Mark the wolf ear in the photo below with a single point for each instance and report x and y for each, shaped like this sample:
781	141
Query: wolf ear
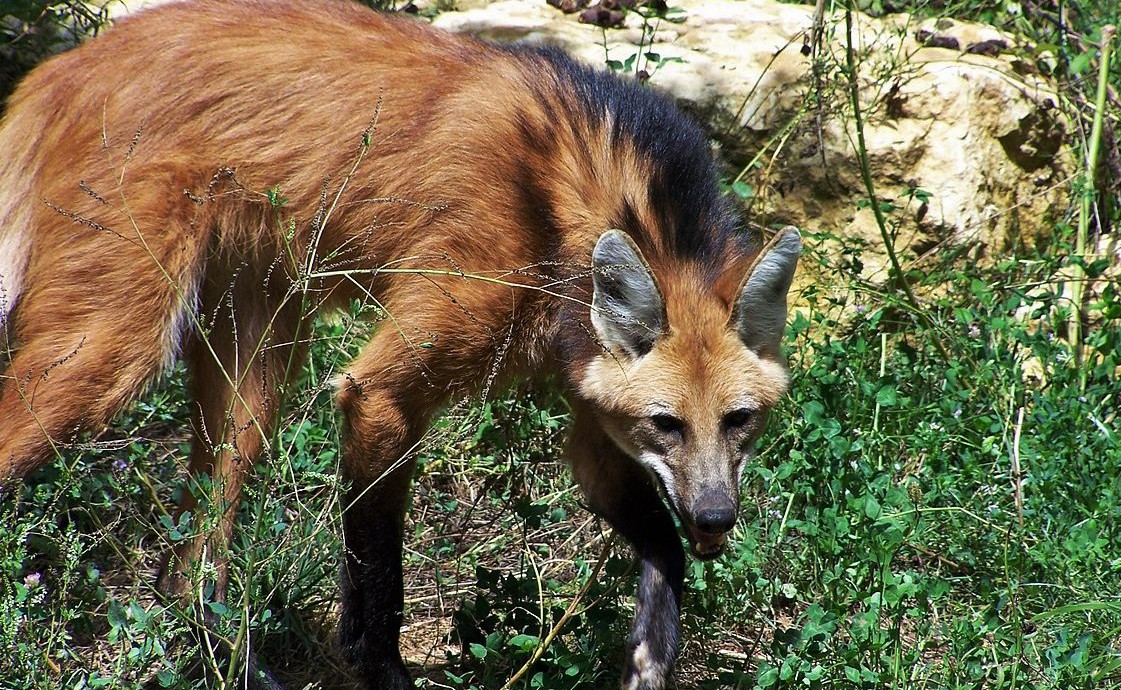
759	314
628	310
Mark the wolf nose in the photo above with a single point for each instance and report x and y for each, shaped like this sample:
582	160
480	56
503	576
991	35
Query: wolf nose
716	519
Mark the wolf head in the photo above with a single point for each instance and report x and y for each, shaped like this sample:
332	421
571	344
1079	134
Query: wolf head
687	378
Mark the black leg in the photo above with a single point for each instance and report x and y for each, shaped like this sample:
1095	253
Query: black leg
376	447
625	495
655	636
392	390
372	592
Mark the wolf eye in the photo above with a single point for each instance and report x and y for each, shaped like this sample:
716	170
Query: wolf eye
737	419
668	424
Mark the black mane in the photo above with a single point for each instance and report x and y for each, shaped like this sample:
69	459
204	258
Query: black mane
696	220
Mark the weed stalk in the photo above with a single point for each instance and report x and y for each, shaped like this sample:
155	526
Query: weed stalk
1089	196
898	277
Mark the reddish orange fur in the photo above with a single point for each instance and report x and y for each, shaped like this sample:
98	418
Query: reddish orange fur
144	173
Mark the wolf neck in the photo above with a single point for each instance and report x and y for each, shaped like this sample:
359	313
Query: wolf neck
601	153
559	155
582	176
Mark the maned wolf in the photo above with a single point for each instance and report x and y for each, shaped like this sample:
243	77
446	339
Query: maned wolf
514	212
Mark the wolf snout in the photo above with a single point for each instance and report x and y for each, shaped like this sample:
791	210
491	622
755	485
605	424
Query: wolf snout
714	513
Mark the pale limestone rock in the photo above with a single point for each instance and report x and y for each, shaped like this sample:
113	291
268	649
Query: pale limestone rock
987	143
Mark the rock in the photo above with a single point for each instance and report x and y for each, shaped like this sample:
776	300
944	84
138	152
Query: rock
967	147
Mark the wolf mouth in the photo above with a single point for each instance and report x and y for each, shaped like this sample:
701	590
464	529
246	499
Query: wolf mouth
703	545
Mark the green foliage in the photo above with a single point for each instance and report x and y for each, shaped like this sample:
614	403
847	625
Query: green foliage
645	63
911	552
32	30
887	540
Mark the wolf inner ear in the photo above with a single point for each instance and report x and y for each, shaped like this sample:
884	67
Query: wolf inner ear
628	310
759	314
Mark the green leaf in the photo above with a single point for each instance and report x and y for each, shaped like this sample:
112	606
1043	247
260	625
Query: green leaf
767	677
872	507
1113	606
885	397
1081	63
523	642
742	189
116	614
813	412
675	14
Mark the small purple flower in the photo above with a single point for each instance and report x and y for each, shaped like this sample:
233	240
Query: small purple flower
119	465
32	579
